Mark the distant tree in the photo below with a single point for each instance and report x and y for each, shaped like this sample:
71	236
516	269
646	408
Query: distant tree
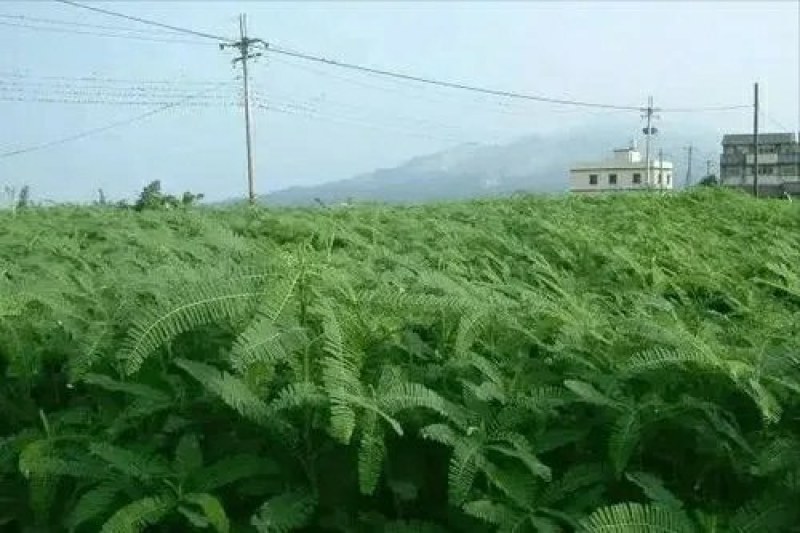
189	198
151	197
709	181
10	194
101	197
24	198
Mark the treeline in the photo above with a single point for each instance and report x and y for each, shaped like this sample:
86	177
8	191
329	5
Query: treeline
150	198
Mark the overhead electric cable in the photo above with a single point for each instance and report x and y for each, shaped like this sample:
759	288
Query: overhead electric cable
94	131
147	21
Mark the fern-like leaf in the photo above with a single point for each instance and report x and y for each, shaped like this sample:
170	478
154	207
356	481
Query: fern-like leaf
130	463
212	509
623	439
659	358
138	390
371	454
284	513
206	304
637	518
230	470
588	393
188	455
654	488
300	394
92	504
340	375
767	515
137	515
230	389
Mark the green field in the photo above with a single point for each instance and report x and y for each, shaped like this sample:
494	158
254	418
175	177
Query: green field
608	364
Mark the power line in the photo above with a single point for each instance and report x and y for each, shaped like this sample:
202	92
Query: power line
447	84
775	122
310	113
350	109
482	90
703	109
89	100
98	79
99	34
69	88
146	21
26	18
95	131
398	75
479	103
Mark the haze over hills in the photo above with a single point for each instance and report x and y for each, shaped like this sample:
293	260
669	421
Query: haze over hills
535	163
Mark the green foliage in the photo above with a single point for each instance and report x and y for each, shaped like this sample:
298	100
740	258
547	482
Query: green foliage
709	181
604	364
24	198
151	198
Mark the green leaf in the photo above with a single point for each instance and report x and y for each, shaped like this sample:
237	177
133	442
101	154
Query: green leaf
589	394
130	463
623	439
637	518
137	515
763	515
285	513
92	504
212	509
490	512
230	389
654	489
188	455
370	456
145	392
230	470
207	303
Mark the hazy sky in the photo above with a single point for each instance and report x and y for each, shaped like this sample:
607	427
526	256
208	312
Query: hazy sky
331	123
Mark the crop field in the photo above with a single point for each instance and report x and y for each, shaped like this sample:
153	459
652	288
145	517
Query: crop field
607	365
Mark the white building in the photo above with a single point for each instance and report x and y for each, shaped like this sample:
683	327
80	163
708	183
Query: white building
625	171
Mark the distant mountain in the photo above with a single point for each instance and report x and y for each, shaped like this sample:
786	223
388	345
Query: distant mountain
531	164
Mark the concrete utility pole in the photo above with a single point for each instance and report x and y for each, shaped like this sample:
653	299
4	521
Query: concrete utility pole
648	131
755	139
243	45
689	148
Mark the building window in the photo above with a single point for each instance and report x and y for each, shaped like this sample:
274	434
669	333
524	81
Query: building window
637	178
612	179
766	170
669	178
659	178
592	179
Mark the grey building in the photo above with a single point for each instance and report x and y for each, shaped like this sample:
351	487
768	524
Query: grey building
778	163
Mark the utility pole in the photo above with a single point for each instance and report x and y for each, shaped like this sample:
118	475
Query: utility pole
648	131
243	45
755	140
689	148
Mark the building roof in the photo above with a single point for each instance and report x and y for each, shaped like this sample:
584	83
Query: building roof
621	165
763	138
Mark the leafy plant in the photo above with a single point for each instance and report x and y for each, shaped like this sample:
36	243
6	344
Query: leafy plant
614	364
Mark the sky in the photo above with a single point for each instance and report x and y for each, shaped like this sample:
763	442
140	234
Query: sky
315	123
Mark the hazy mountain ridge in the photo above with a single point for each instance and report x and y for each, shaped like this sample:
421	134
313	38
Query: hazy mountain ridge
533	164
